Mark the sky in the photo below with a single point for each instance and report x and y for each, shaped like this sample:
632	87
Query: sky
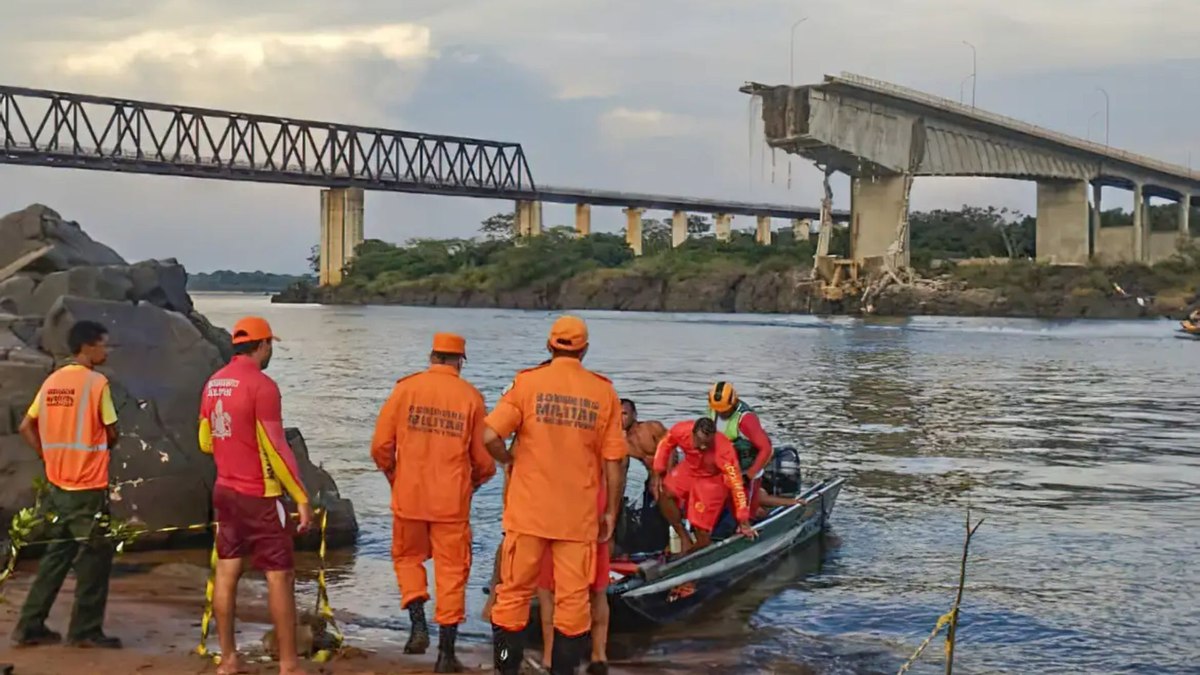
604	94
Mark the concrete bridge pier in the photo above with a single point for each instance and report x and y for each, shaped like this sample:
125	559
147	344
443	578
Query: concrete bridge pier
1063	216
877	204
529	218
583	219
341	231
724	226
762	230
633	229
1139	223
1185	212
679	233
1094	225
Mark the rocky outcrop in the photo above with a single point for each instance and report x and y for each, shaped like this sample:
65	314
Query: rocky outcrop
162	353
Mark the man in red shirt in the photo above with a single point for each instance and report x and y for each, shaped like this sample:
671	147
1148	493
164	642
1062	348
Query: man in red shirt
241	425
703	481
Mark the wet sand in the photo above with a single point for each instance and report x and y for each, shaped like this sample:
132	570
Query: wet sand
155	609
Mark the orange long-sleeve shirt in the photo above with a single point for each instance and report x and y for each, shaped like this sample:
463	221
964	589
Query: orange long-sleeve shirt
720	462
429	441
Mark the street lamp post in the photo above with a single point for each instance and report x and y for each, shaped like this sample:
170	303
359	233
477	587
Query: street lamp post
1090	120
1106	118
974	70
962	86
792	53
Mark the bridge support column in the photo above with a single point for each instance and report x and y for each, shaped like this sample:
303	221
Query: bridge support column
633	229
1185	212
762	230
529	218
583	219
679	233
801	229
341	231
724	226
877	204
1094	242
1139	224
1062	222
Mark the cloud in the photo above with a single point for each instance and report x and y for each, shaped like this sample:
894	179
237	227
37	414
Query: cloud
627	124
397	42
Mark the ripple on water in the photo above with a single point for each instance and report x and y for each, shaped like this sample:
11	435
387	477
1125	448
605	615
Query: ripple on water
1075	440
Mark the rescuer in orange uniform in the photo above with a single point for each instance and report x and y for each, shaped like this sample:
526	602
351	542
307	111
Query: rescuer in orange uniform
72	426
568	425
429	443
701	484
241	426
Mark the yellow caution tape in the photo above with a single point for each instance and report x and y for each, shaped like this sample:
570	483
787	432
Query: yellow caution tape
324	610
942	622
209	587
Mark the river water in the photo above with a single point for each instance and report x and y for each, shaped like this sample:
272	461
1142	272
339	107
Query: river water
1074	440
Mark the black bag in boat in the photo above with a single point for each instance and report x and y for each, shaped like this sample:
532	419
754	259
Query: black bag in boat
641	528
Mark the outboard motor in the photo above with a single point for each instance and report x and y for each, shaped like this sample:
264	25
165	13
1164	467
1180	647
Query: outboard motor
782	475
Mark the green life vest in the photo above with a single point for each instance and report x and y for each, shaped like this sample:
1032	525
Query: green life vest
746	451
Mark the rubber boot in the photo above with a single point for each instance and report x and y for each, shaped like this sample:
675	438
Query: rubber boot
418	640
508	650
447	662
568	653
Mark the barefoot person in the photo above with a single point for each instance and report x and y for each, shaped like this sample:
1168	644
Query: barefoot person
72	426
700	485
429	443
241	425
568	425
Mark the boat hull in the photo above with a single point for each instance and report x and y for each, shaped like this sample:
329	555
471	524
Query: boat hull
680	589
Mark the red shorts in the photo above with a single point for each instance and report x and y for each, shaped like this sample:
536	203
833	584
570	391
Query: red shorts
252	527
599	583
701	498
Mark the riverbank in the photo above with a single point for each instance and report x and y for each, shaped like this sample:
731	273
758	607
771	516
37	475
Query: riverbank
1017	290
155	606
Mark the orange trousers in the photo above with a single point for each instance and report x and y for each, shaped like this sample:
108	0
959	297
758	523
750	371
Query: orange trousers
449	544
520	566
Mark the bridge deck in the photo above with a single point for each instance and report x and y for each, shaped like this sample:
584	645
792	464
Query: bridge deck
59	129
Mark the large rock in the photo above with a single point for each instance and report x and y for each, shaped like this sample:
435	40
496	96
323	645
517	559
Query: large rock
162	283
25	231
342	525
97	283
16	293
162	352
157	356
19	466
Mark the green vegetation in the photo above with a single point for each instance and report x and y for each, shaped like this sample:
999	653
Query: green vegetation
953	245
242	282
497	261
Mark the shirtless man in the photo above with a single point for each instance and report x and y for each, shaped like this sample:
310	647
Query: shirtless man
643	437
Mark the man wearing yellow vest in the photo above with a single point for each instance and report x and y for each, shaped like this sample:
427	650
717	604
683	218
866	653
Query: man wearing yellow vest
72	426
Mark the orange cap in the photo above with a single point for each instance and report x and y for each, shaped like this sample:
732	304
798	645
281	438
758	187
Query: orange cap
449	343
251	329
569	333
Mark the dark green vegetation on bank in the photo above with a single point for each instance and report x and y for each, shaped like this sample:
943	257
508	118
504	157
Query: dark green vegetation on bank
561	271
243	282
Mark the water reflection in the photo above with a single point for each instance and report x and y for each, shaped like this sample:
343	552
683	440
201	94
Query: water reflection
1074	440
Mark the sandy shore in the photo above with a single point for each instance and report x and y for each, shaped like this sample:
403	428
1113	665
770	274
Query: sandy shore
155	607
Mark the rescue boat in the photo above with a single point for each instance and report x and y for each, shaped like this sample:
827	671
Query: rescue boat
661	591
1189	328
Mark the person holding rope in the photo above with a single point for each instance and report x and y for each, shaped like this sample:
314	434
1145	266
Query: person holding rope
72	426
429	444
241	426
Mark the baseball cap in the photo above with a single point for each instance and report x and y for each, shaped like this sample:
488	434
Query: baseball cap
569	333
449	343
252	329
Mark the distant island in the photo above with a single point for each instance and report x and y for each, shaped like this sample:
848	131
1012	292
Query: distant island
244	282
